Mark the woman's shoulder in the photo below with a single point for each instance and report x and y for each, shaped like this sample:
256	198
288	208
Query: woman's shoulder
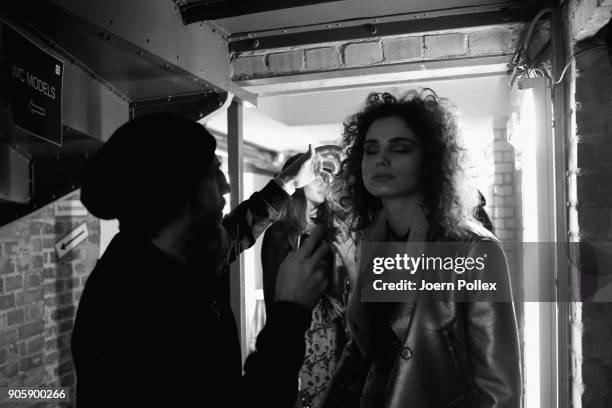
478	239
475	231
471	234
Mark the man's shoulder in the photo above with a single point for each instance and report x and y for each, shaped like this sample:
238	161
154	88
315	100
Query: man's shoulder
278	230
120	245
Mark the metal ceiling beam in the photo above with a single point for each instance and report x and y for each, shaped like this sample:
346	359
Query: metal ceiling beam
131	71
155	28
401	24
217	9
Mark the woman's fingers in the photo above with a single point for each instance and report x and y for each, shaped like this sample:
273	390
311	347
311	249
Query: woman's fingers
337	248
310	243
320	252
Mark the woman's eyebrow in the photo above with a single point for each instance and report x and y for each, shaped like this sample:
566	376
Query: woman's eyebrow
403	139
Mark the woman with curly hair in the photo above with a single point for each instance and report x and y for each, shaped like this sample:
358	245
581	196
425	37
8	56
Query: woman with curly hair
325	338
403	180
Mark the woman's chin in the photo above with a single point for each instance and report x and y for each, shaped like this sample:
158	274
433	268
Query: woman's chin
317	201
384	192
392	191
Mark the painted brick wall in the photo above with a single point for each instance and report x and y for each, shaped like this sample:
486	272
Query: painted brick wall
39	294
587	17
502	192
504	200
499	40
589	144
592	144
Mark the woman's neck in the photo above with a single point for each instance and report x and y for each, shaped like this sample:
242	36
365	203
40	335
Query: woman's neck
311	208
400	212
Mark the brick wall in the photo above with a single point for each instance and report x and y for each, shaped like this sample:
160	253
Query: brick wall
503	189
589	144
498	40
503	195
590	211
586	17
594	145
39	294
504	202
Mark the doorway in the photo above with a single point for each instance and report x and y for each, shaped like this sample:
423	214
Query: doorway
508	135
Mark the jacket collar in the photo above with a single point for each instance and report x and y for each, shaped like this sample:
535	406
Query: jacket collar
401	317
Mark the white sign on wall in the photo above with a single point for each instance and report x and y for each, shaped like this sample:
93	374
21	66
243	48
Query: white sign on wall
72	240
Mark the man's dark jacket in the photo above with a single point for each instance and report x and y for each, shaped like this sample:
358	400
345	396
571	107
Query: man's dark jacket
151	331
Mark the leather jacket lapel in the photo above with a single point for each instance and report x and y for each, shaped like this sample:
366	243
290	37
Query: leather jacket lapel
359	319
401	317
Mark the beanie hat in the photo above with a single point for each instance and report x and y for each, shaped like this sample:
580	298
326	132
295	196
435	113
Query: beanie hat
148	170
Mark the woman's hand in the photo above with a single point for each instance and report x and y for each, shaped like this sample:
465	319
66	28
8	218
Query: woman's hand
346	248
302	172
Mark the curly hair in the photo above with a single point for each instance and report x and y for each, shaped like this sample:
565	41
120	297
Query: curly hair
448	195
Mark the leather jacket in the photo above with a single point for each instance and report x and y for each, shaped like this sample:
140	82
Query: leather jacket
444	353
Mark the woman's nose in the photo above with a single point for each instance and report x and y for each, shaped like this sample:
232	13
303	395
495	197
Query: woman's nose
382	159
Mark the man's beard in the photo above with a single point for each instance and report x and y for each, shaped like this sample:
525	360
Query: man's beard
206	246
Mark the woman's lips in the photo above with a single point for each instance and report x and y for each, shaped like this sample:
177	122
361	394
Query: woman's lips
383	177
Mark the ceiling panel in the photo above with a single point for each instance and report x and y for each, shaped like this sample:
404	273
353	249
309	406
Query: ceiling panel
290	122
484	96
342	11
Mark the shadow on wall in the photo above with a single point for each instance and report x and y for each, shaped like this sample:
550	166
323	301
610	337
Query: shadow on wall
39	292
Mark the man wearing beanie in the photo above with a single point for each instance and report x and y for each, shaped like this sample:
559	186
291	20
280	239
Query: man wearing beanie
154	325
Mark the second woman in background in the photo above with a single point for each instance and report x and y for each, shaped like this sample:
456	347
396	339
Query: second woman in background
325	337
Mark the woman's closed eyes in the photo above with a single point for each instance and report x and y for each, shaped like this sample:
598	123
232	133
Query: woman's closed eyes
395	146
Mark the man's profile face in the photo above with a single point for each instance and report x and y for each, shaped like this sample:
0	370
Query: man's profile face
209	201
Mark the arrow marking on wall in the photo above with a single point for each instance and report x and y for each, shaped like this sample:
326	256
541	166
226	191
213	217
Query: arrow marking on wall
35	109
65	244
72	240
